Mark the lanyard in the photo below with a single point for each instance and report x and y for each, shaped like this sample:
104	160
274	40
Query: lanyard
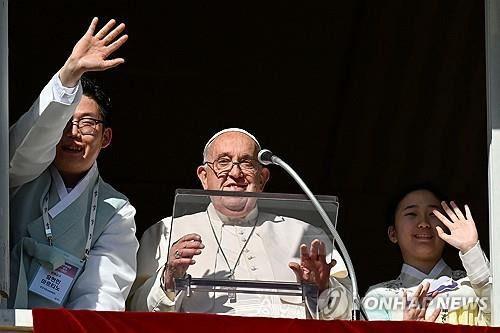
231	271
93	211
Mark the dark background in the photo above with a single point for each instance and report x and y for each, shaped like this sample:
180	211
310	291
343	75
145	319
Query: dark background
362	98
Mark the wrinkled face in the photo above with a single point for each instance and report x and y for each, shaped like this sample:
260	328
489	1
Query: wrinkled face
75	153
415	227
237	147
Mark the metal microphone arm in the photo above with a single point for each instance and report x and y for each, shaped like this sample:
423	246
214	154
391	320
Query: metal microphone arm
355	296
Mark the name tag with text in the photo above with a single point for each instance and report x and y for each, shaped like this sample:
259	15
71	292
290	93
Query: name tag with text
55	285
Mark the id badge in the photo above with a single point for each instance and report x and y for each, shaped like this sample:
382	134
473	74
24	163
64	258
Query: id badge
55	285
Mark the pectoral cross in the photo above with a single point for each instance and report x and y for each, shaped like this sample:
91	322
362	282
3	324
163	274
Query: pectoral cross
231	294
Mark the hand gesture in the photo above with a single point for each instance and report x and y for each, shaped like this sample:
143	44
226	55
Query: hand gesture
416	308
313	267
91	52
180	257
463	232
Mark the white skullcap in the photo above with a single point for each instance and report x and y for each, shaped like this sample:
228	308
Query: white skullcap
232	129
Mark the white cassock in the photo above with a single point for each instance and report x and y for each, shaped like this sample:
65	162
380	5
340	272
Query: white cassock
274	243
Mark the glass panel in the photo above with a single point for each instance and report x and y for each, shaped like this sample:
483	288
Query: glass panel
249	237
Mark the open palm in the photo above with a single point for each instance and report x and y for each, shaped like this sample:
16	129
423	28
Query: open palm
313	267
463	232
91	52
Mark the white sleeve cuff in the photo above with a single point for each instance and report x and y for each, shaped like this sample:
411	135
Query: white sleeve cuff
476	264
335	302
62	94
158	298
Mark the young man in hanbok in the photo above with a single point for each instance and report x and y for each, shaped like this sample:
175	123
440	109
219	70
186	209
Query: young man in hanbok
72	235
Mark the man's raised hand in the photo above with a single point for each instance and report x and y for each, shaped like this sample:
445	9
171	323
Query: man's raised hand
91	52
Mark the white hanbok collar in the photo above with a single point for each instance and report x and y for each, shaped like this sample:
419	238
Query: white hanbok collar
68	196
411	276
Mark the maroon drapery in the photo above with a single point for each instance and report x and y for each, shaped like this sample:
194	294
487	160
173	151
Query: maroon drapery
76	321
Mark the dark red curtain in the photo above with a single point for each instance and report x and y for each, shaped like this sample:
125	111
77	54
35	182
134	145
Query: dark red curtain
76	321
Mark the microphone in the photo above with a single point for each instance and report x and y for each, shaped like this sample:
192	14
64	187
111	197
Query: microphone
266	157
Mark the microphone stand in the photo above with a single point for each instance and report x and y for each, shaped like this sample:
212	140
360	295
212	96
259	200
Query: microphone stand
356	304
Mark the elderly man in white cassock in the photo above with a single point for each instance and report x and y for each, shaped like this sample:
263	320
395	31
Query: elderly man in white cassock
233	239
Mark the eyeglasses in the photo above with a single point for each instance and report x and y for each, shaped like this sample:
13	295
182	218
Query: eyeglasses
223	165
85	126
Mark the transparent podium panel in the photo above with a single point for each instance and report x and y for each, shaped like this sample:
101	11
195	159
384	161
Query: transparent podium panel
249	241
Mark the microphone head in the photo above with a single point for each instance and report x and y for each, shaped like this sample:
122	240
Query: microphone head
265	156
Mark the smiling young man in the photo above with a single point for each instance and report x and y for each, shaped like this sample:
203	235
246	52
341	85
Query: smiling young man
232	238
77	152
72	235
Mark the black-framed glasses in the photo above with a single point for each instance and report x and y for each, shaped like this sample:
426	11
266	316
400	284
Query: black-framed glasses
223	165
85	125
